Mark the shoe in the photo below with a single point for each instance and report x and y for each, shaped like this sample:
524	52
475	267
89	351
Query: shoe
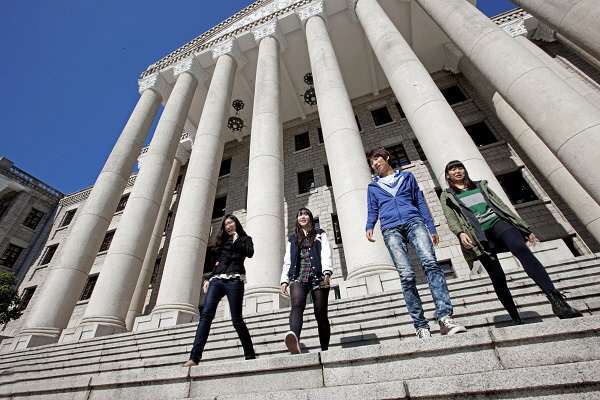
423	333
449	327
292	342
190	363
517	321
560	307
253	357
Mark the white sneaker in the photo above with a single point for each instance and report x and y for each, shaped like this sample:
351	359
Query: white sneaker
449	327
292	342
423	333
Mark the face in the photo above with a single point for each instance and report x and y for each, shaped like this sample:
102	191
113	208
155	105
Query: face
379	164
303	219
456	174
230	226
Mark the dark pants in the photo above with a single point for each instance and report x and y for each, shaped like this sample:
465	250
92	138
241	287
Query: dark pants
504	235
298	292
218	288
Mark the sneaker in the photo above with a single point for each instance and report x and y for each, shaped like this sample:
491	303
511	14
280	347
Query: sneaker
292	342
560	307
423	333
449	327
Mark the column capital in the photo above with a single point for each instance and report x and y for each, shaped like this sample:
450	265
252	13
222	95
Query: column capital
544	32
182	154
453	56
231	48
192	66
515	28
273	30
352	10
316	8
156	83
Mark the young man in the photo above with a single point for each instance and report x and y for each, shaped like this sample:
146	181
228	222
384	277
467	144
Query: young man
395	198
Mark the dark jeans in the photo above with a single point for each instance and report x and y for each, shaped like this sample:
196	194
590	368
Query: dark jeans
505	235
298	292
218	288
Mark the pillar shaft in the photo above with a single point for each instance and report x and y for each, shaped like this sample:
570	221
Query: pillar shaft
67	279
350	173
580	202
436	126
141	290
567	123
182	275
576	20
112	295
265	215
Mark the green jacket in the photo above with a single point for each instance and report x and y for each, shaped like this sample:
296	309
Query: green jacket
462	219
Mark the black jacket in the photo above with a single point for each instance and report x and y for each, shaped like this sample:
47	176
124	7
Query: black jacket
232	256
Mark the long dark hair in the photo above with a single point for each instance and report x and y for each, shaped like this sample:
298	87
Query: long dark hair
311	235
469	184
223	236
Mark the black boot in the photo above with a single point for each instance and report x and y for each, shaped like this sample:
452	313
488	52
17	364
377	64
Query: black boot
560	307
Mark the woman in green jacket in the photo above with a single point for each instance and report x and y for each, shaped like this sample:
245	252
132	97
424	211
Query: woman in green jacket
486	226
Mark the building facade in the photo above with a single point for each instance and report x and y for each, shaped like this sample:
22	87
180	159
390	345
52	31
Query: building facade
315	85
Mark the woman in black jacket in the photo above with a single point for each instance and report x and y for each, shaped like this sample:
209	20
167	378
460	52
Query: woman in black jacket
232	247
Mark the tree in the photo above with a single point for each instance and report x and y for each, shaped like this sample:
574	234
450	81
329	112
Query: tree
9	298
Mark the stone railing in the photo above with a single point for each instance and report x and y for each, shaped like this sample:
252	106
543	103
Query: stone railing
27	180
82	195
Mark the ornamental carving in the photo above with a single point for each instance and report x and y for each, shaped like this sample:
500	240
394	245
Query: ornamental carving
230	47
314	8
192	66
515	28
156	83
453	56
270	29
544	32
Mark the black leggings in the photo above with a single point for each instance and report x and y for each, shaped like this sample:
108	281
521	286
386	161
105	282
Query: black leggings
298	292
512	239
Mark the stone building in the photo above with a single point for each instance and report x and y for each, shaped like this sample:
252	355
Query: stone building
316	84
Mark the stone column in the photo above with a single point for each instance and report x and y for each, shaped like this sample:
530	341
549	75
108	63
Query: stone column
180	287
67	279
265	220
141	290
569	77
580	202
576	20
105	313
436	126
567	123
350	173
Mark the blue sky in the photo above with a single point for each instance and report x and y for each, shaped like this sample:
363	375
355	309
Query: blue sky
69	74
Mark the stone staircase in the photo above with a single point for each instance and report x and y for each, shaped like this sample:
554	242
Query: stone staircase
374	353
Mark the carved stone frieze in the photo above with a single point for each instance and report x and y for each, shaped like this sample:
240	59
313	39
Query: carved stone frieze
156	83
192	66
515	28
453	55
271	29
544	32
230	47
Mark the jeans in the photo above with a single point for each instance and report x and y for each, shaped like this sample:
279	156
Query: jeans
218	288
416	233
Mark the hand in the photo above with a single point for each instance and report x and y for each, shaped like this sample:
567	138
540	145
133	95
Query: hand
370	236
465	240
235	235
326	280
435	238
532	240
205	286
284	289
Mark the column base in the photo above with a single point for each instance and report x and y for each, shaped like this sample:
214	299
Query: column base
256	301
89	331
22	342
164	318
367	270
372	284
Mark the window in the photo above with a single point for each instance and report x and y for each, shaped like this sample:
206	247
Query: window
219	207
400	110
48	254
381	116
320	133
398	157
570	242
67	218
337	233
453	95
447	268
225	167
155	272
178	183
26	297
327	175
122	202
516	187
33	219
317	223
10	256
302	141
306	181
107	241
420	151
89	287
168	222
481	134
358	123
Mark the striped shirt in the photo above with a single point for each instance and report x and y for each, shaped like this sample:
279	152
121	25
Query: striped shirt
475	201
